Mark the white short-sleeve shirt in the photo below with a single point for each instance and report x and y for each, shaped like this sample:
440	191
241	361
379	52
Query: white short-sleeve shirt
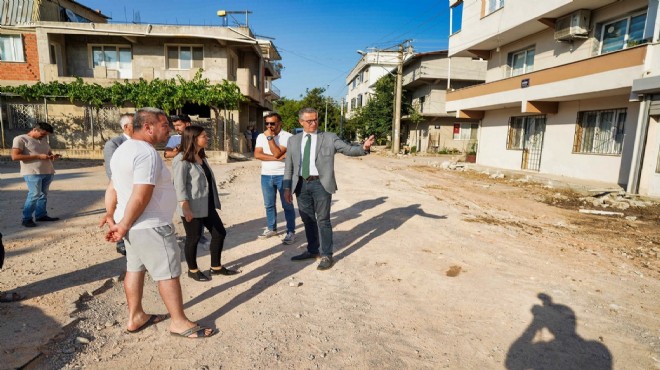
137	162
272	168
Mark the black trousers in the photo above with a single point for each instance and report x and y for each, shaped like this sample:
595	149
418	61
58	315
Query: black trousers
194	230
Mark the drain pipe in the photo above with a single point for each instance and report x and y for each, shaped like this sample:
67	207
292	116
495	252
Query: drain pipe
639	146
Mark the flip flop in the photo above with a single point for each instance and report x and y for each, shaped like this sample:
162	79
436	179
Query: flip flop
199	330
11	297
153	319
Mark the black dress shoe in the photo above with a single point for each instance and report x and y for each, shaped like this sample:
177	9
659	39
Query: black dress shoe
198	276
28	223
305	256
224	271
48	218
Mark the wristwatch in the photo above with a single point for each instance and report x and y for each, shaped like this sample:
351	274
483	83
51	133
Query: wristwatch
269	138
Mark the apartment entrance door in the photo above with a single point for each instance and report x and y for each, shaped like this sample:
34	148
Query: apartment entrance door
533	143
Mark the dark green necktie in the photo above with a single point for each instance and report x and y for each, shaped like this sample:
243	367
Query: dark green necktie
306	154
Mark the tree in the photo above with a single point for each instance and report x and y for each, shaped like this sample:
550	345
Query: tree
314	98
375	118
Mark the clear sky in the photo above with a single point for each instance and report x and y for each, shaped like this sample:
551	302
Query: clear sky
317	39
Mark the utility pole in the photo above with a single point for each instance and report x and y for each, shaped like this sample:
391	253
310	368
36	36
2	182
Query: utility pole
341	119
326	113
396	139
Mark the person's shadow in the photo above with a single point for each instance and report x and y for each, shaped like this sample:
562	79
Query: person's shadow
280	268
564	350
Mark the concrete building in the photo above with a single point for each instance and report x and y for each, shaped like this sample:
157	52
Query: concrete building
361	80
426	79
59	41
571	86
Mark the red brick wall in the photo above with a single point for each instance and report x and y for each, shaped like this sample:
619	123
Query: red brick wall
28	70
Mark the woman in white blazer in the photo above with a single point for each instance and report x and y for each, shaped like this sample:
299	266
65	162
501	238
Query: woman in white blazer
197	200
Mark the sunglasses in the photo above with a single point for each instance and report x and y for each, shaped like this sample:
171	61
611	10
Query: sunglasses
271	123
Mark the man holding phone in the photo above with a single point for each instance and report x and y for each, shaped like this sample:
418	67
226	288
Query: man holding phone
33	150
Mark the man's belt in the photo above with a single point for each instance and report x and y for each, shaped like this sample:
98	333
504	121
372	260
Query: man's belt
310	178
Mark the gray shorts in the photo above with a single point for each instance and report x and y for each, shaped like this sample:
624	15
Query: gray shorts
155	250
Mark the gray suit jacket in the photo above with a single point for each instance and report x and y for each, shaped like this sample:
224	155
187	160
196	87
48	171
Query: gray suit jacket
190	184
327	145
109	149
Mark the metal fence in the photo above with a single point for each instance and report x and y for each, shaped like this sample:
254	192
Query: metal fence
80	127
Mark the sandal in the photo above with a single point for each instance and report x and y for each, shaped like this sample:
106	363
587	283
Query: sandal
11	297
153	319
223	271
200	331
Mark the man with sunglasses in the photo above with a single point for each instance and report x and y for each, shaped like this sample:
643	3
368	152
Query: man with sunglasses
270	148
310	173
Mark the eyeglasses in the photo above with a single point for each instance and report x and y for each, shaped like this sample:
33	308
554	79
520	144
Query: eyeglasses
271	123
310	121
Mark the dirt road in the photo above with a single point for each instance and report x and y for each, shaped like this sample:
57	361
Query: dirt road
435	269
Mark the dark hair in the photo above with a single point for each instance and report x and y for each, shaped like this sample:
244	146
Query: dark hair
273	114
146	115
44	126
180	117
188	140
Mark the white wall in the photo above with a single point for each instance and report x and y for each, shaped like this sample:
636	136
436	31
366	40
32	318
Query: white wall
557	157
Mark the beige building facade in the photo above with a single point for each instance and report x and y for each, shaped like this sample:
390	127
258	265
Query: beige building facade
558	96
74	41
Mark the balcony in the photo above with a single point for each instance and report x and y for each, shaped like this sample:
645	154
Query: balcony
517	19
273	92
604	75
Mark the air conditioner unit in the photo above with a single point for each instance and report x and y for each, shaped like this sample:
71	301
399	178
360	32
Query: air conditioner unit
572	26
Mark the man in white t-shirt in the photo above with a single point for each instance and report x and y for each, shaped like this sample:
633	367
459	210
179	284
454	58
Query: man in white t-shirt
140	202
271	150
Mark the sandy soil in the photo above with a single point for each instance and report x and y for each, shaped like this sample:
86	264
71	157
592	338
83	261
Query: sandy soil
435	269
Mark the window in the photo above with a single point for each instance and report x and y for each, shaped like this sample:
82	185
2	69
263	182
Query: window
622	33
599	131
521	62
184	57
359	100
520	128
456	15
353	83
493	5
11	48
352	103
115	57
465	131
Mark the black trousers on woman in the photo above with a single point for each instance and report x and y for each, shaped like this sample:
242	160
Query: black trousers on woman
194	230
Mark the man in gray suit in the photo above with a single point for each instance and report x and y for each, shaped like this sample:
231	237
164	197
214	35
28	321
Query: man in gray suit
126	123
309	172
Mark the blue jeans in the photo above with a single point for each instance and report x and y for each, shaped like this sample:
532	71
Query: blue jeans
314	207
270	186
37	196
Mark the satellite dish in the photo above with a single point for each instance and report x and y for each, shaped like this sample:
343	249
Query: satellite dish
71	15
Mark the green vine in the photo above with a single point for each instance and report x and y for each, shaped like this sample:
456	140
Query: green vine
165	94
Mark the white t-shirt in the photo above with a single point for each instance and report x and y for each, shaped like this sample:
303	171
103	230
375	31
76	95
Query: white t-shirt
272	168
137	162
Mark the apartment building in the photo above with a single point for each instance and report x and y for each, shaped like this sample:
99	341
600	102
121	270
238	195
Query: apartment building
571	87
369	69
426	79
58	41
